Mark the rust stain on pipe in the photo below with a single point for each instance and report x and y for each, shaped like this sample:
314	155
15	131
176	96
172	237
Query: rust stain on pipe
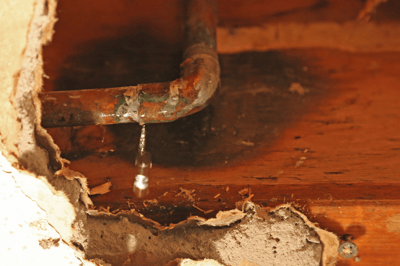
148	103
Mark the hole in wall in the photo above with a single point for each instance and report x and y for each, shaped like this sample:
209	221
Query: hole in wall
253	105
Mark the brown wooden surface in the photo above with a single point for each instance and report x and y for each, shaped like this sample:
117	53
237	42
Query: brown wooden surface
375	229
332	149
343	131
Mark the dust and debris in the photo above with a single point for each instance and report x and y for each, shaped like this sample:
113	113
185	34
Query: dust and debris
246	195
198	208
101	189
225	218
247	143
49	242
296	87
205	212
216	196
150	202
187	194
130	203
246	192
147	203
105	210
115	211
227	189
38	224
300	161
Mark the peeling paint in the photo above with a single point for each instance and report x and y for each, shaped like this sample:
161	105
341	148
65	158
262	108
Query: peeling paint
173	99
206	85
127	108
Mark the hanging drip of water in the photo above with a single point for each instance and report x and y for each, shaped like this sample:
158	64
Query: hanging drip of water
143	162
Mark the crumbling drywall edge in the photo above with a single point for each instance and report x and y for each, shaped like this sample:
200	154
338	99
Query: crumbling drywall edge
31	156
63	196
28	222
15	19
330	241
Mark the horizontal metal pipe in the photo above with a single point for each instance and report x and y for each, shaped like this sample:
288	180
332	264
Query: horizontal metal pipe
148	103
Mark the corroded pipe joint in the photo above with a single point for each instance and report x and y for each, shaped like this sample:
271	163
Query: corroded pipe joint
189	94
201	69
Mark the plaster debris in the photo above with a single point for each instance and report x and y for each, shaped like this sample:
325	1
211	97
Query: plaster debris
198	208
247	143
187	194
246	192
281	236
150	202
26	236
101	189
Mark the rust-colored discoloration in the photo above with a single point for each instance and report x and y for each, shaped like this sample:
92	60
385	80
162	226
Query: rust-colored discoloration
148	103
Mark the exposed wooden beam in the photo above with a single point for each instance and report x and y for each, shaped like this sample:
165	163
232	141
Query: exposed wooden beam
353	36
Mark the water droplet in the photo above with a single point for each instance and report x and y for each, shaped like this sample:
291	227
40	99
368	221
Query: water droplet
144	164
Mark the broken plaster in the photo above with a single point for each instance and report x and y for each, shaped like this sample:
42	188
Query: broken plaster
281	236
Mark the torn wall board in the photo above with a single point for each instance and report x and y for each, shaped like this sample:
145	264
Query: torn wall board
282	236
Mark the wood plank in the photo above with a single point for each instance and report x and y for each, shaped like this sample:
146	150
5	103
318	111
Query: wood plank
350	36
375	228
342	144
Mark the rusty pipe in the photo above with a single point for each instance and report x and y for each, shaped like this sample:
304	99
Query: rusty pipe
148	103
